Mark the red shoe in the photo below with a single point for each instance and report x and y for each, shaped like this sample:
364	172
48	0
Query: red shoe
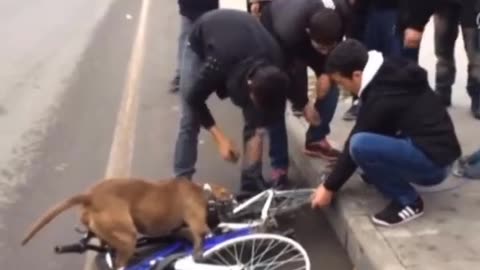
322	149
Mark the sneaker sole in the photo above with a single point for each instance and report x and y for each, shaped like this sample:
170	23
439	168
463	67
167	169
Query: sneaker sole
383	223
318	155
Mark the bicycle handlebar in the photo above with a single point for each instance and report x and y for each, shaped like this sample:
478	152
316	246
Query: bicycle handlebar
78	248
74	248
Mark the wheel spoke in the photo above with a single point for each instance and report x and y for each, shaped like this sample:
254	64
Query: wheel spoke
260	257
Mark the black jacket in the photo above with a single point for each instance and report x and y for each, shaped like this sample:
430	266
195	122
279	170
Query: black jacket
399	102
417	13
287	20
192	9
231	44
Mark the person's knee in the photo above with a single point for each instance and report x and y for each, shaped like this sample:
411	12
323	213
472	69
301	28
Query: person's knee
360	146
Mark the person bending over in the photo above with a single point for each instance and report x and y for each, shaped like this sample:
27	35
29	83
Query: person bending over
229	53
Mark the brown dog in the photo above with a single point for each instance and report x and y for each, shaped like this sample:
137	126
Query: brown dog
117	210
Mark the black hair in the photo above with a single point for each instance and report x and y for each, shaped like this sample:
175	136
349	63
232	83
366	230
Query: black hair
348	56
326	26
269	86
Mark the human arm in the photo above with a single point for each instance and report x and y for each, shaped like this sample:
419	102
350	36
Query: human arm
373	117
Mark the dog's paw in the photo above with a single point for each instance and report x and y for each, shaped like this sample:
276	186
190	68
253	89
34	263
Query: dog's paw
198	256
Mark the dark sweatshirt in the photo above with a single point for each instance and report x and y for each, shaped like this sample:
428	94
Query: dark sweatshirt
231	45
288	20
399	102
192	9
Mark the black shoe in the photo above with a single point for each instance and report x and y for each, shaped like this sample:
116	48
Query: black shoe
252	183
475	107
297	112
351	114
395	214
445	96
278	179
174	85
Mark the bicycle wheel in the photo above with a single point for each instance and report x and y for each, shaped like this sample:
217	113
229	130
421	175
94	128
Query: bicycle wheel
284	202
259	251
290	201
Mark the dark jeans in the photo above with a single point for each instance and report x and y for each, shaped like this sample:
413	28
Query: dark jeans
326	108
391	164
185	26
381	34
446	22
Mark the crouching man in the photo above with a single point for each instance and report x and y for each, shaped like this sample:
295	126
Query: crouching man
403	133
231	54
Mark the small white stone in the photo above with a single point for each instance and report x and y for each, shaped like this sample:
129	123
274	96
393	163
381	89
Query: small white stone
128	16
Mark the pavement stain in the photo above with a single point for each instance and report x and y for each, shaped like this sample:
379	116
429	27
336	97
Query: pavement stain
3	110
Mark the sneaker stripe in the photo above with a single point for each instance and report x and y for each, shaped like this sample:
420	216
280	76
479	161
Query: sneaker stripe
411	212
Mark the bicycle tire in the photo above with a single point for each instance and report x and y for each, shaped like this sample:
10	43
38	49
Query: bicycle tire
282	210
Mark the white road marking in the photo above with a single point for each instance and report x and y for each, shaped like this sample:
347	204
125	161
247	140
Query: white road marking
121	151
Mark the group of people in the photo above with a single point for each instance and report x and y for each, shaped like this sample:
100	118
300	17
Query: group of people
258	58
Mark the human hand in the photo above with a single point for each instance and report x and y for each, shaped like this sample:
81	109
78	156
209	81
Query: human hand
228	151
412	38
322	197
255	9
311	114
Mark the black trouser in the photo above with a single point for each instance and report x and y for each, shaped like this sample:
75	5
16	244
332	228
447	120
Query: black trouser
446	22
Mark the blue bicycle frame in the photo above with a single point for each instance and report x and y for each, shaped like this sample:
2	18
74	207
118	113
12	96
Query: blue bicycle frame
182	246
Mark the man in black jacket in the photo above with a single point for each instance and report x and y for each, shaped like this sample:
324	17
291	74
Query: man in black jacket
229	52
307	30
403	133
190	10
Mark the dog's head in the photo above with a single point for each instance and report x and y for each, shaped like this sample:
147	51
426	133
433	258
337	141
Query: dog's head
218	192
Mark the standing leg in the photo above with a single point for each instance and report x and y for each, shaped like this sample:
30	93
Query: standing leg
445	32
186	146
316	143
185	26
278	153
472	48
391	164
252	175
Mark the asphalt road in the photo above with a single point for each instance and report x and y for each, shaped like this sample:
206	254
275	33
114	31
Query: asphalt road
62	76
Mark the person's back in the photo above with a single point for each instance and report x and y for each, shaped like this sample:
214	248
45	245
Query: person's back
192	9
232	35
288	20
233	41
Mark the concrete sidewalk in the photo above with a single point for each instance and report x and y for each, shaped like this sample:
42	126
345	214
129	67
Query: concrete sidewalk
446	237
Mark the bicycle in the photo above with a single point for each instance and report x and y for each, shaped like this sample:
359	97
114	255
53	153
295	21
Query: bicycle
246	235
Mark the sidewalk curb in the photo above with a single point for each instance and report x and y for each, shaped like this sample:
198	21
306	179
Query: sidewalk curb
365	246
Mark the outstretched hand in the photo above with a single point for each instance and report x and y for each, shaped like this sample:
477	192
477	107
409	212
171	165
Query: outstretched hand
322	197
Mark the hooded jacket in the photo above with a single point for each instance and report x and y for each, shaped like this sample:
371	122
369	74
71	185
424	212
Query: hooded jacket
397	101
192	9
231	44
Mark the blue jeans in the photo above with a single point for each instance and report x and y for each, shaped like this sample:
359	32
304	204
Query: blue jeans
391	164
278	133
186	146
326	108
185	27
381	34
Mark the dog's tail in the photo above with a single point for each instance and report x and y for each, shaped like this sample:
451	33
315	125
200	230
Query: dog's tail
53	212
